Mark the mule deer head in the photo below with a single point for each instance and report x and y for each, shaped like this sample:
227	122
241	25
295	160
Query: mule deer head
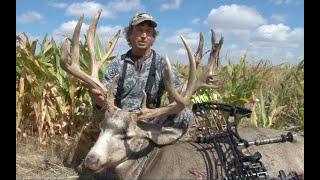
122	132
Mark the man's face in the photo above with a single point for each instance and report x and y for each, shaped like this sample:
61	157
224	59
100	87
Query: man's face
142	36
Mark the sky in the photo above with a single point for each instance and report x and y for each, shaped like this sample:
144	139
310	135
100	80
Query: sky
271	30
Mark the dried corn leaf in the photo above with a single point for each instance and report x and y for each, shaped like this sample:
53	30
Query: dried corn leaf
20	102
272	117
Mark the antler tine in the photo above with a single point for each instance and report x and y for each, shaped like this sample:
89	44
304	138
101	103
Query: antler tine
169	85
192	70
199	54
213	37
64	53
110	96
91	39
95	65
212	61
75	43
113	44
73	66
219	45
144	102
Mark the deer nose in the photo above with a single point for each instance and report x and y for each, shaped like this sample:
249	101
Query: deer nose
92	162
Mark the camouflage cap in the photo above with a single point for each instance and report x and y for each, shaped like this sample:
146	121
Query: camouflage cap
140	17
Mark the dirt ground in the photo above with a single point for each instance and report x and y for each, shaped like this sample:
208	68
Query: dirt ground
55	159
35	161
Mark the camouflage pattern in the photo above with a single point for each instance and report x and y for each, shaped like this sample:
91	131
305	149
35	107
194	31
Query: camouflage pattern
135	82
140	17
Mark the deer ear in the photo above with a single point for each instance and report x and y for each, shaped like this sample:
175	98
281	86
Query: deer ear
158	134
167	135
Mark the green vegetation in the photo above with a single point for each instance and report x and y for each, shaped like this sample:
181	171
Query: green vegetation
50	103
275	94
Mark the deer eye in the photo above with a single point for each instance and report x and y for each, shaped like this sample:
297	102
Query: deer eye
124	135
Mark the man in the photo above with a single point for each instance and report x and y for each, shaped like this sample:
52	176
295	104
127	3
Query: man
142	69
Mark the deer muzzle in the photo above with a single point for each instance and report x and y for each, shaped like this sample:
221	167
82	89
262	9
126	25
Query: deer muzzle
92	162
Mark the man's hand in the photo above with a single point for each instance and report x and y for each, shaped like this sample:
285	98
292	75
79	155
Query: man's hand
98	98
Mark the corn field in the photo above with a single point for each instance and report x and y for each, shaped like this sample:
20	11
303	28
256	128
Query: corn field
275	94
49	103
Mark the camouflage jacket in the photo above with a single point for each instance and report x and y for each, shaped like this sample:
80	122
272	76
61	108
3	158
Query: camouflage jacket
135	82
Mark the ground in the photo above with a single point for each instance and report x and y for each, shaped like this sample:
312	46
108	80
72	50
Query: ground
35	161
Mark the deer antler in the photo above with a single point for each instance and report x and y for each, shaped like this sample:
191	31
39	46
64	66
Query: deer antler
183	99
198	55
71	64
